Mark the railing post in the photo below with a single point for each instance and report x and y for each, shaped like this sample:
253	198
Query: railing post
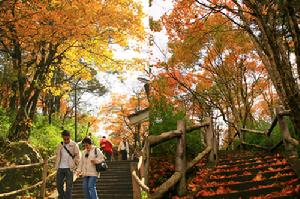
242	137
135	186
212	142
146	156
290	149
180	160
44	177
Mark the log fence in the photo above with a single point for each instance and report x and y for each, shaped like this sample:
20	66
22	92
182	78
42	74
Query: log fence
41	183
178	179
290	144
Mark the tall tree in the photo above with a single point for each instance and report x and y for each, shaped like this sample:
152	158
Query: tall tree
38	37
273	27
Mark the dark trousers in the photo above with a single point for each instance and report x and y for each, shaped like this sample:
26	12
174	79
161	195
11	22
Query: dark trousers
107	155
124	154
63	175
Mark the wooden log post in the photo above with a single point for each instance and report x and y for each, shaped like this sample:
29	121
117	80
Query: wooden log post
146	157
212	142
180	160
135	186
242	135
290	149
44	178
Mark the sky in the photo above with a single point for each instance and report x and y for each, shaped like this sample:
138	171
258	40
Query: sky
129	82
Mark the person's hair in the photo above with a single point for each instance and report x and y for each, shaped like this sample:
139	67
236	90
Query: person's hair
86	140
103	136
65	133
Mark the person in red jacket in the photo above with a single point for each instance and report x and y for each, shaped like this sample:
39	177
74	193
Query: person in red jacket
106	147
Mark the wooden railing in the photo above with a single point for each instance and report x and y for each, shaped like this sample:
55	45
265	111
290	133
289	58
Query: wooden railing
290	144
41	183
140	175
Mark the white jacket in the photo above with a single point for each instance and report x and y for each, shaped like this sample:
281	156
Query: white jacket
123	146
86	167
74	150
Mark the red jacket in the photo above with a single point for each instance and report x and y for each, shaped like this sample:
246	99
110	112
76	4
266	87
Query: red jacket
106	145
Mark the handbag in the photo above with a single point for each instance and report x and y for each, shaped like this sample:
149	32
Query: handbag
102	166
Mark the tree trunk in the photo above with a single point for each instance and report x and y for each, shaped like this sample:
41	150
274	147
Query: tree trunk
20	128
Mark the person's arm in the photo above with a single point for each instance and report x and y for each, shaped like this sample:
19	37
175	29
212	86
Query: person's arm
57	155
119	147
127	147
100	156
79	168
77	154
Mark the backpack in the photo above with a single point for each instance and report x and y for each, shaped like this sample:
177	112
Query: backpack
100	166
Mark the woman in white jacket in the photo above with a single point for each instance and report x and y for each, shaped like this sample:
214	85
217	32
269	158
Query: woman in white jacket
87	167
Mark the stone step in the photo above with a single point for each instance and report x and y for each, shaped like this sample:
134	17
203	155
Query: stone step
114	183
102	177
243	194
106	191
239	157
251	170
249	162
241	178
244	185
106	196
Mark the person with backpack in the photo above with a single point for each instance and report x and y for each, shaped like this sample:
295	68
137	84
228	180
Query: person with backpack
106	147
124	148
67	159
87	167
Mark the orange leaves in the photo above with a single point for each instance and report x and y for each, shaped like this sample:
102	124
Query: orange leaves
191	187
220	190
258	177
223	190
245	173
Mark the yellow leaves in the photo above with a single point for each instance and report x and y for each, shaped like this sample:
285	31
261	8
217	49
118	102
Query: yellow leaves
258	177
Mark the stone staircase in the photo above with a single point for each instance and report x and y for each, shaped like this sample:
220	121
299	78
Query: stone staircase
114	183
251	175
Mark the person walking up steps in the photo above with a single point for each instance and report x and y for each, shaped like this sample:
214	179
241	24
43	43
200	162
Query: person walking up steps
124	148
106	147
67	158
87	168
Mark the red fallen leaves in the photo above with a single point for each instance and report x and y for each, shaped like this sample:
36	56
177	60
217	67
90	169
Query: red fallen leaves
278	163
278	175
249	163
220	190
177	197
215	184
289	190
227	170
283	161
246	173
160	171
192	187
223	176
200	175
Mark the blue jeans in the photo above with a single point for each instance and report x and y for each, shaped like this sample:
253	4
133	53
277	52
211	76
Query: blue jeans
61	176
89	187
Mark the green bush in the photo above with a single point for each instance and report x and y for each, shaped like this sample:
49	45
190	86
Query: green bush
5	122
47	136
163	118
276	135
